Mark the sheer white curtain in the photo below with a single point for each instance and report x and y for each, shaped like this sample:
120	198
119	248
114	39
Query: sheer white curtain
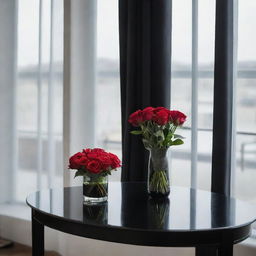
79	79
92	112
31	70
8	28
39	95
192	68
35	100
193	31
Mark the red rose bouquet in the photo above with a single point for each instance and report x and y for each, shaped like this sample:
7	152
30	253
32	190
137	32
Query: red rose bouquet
94	165
158	129
158	126
94	162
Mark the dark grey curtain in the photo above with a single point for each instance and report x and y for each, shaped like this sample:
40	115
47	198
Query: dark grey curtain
145	67
223	97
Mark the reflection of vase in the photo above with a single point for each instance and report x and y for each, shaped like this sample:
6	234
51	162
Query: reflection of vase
158	213
95	189
158	173
96	213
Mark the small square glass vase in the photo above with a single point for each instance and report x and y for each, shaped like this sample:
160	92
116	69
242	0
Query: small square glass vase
95	189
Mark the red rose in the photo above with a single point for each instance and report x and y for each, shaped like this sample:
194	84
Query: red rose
156	110
98	150
115	161
75	161
136	118
94	166
92	155
83	161
105	161
177	117
147	113
161	117
94	160
87	150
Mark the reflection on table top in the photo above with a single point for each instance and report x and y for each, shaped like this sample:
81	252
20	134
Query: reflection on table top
130	207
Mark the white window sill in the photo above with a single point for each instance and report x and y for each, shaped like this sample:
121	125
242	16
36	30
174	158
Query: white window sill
16	210
251	241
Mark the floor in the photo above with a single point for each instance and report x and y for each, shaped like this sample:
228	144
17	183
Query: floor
21	250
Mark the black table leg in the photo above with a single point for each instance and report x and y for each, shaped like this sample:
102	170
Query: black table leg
206	251
226	250
37	237
226	246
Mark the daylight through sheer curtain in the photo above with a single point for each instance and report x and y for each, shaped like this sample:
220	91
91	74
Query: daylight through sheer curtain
39	95
34	122
28	137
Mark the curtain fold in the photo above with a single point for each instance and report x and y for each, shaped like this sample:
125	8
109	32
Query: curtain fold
145	70
223	97
8	120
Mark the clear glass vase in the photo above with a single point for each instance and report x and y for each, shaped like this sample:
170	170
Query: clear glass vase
158	173
158	212
96	213
95	189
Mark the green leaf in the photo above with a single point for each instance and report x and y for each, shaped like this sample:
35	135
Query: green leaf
79	173
136	132
177	136
166	132
169	136
159	133
167	127
177	142
160	138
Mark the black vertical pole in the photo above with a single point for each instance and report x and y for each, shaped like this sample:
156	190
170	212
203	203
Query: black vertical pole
223	97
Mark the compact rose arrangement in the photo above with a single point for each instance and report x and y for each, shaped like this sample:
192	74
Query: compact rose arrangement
158	129
94	165
94	162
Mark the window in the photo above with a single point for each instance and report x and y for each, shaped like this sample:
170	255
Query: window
39	96
246	103
245	94
40	92
109	123
181	88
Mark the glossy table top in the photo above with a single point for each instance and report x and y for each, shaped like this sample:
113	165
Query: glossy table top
129	207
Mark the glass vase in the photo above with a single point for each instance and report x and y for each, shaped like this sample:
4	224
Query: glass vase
95	189
158	173
158	212
96	213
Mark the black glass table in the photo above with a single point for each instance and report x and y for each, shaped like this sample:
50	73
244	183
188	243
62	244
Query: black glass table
188	218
